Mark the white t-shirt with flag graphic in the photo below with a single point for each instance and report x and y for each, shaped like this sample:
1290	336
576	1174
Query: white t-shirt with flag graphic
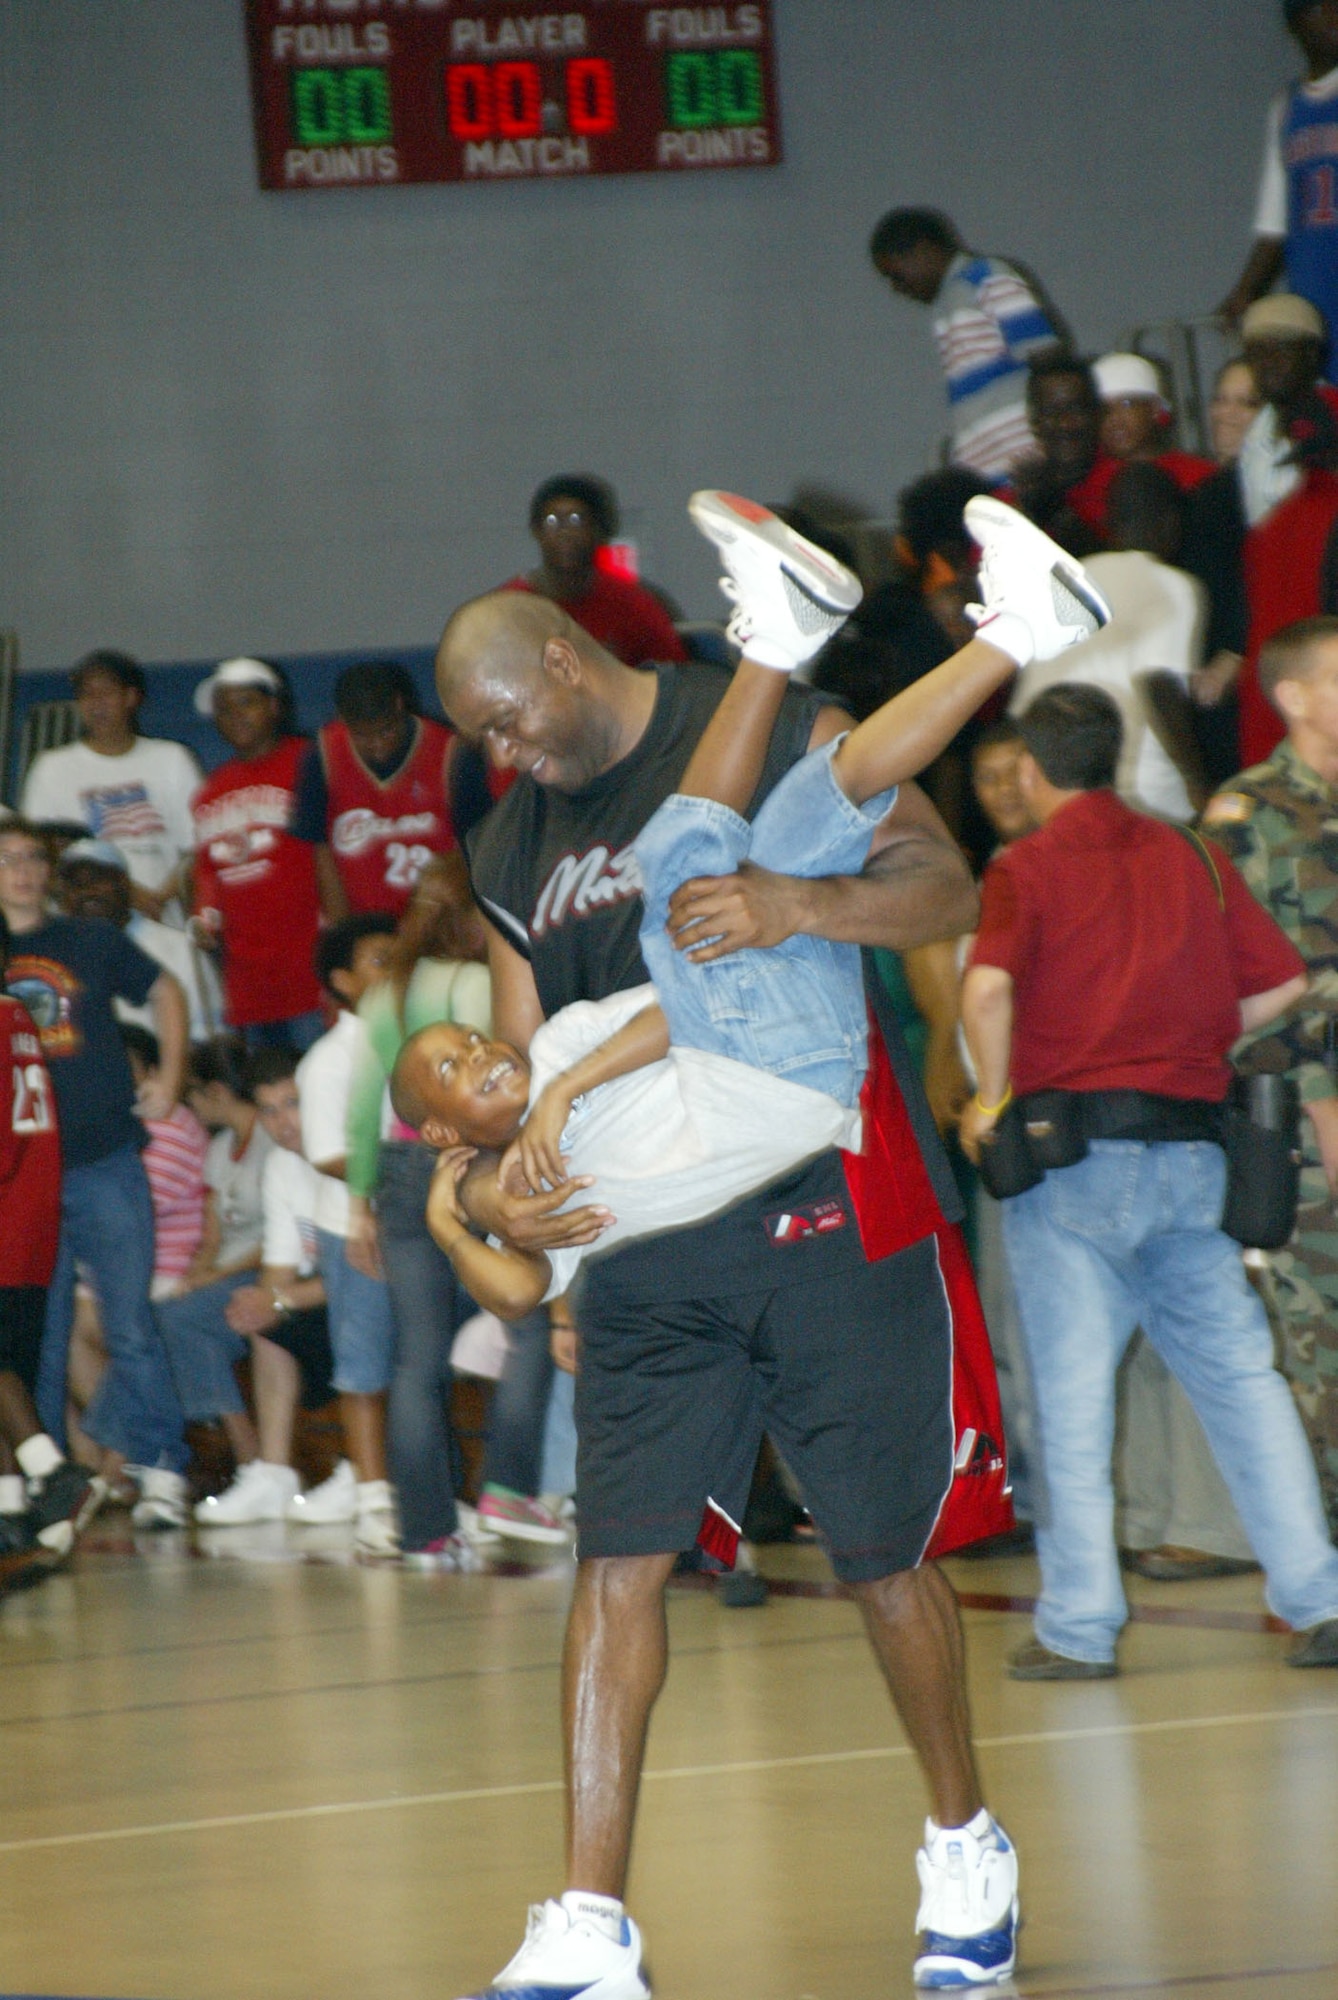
140	801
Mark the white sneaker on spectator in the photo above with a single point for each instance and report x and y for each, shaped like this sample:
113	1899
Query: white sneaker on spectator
164	1499
259	1492
452	1552
334	1500
377	1529
569	1956
474	1529
788	596
1039	600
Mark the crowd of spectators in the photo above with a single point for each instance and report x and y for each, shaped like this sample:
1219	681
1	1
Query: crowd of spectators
222	969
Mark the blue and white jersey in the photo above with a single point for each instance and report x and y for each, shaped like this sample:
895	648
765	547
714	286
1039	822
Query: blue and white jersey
1298	195
988	324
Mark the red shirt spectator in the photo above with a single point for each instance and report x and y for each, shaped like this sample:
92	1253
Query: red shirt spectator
29	1155
255	884
571	517
1121	909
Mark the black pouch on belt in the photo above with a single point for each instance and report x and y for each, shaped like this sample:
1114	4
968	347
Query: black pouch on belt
1006	1165
1261	1135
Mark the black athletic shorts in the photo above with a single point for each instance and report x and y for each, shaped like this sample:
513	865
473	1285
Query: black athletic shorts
847	1364
306	1336
22	1310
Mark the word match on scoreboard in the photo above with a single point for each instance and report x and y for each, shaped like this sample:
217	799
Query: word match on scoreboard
351	93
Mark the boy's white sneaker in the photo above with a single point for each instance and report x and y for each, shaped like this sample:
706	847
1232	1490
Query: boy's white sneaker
788	596
566	1956
164	1500
333	1501
968	1913
376	1530
1038	599
259	1492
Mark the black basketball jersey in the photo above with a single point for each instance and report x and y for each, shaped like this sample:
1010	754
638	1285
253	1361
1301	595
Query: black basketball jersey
555	870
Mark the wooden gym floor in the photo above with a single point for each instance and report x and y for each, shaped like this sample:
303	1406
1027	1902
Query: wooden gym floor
250	1774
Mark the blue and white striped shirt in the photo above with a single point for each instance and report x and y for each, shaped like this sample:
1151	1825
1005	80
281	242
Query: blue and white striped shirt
988	324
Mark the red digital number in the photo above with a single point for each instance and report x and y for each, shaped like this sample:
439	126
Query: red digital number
469	101
501	101
592	105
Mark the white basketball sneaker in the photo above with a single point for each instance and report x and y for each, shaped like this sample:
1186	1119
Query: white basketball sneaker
1038	599
335	1500
570	1956
968	1912
788	596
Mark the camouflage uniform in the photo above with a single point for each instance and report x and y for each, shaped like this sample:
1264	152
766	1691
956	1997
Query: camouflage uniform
1279	824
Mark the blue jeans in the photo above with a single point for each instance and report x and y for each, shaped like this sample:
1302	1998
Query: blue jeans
362	1331
298	1032
203	1350
1128	1237
429	1306
797	1010
518	1414
106	1223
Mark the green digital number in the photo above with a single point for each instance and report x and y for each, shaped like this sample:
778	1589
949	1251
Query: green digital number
691	90
341	107
714	87
739	87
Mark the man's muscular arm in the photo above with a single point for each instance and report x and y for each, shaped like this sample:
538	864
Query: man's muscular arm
915	889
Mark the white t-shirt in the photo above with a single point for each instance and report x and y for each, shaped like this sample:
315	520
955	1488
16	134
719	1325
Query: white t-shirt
1270	211
236	1188
1157	621
681	1139
324	1081
289	1196
177	955
141	801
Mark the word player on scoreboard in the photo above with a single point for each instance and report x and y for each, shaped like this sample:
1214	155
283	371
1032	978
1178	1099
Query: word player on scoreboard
371	93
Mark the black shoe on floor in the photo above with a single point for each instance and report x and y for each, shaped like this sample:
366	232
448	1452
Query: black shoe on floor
743	1590
23	1561
1172	1565
1035	1662
1018	1541
63	1504
1316	1648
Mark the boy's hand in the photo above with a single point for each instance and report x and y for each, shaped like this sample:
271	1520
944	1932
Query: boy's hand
443	1201
539	1141
251	1310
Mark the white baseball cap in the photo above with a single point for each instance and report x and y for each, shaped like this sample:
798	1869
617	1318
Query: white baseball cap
240	673
1120	375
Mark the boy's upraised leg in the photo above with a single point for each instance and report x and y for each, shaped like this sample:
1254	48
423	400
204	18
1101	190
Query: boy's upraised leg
1038	602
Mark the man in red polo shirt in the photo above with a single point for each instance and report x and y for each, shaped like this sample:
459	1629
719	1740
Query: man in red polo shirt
1117	962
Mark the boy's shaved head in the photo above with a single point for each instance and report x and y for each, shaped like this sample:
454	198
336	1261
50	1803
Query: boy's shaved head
455	1087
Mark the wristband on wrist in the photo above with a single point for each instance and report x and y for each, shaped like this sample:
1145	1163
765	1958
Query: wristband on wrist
282	1306
993	1110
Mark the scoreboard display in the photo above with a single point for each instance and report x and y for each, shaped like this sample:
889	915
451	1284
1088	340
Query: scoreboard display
350	93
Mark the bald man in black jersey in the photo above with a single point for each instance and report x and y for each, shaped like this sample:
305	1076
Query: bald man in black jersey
844	1356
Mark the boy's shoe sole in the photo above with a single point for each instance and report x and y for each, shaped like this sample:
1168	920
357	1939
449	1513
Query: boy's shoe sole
727	518
949	1963
521	1528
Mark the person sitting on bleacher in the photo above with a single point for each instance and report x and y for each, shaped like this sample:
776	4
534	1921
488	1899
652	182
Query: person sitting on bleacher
135	790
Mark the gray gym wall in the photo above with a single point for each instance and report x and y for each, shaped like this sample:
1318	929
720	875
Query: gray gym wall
236	421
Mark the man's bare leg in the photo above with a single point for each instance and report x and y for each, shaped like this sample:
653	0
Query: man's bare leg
613	1668
916	1634
277	1382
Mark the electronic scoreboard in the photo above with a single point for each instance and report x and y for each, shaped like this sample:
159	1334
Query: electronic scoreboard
351	93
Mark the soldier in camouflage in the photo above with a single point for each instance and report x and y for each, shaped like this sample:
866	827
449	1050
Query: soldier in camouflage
1279	823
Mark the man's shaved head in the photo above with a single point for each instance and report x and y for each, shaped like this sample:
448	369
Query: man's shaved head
516	672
